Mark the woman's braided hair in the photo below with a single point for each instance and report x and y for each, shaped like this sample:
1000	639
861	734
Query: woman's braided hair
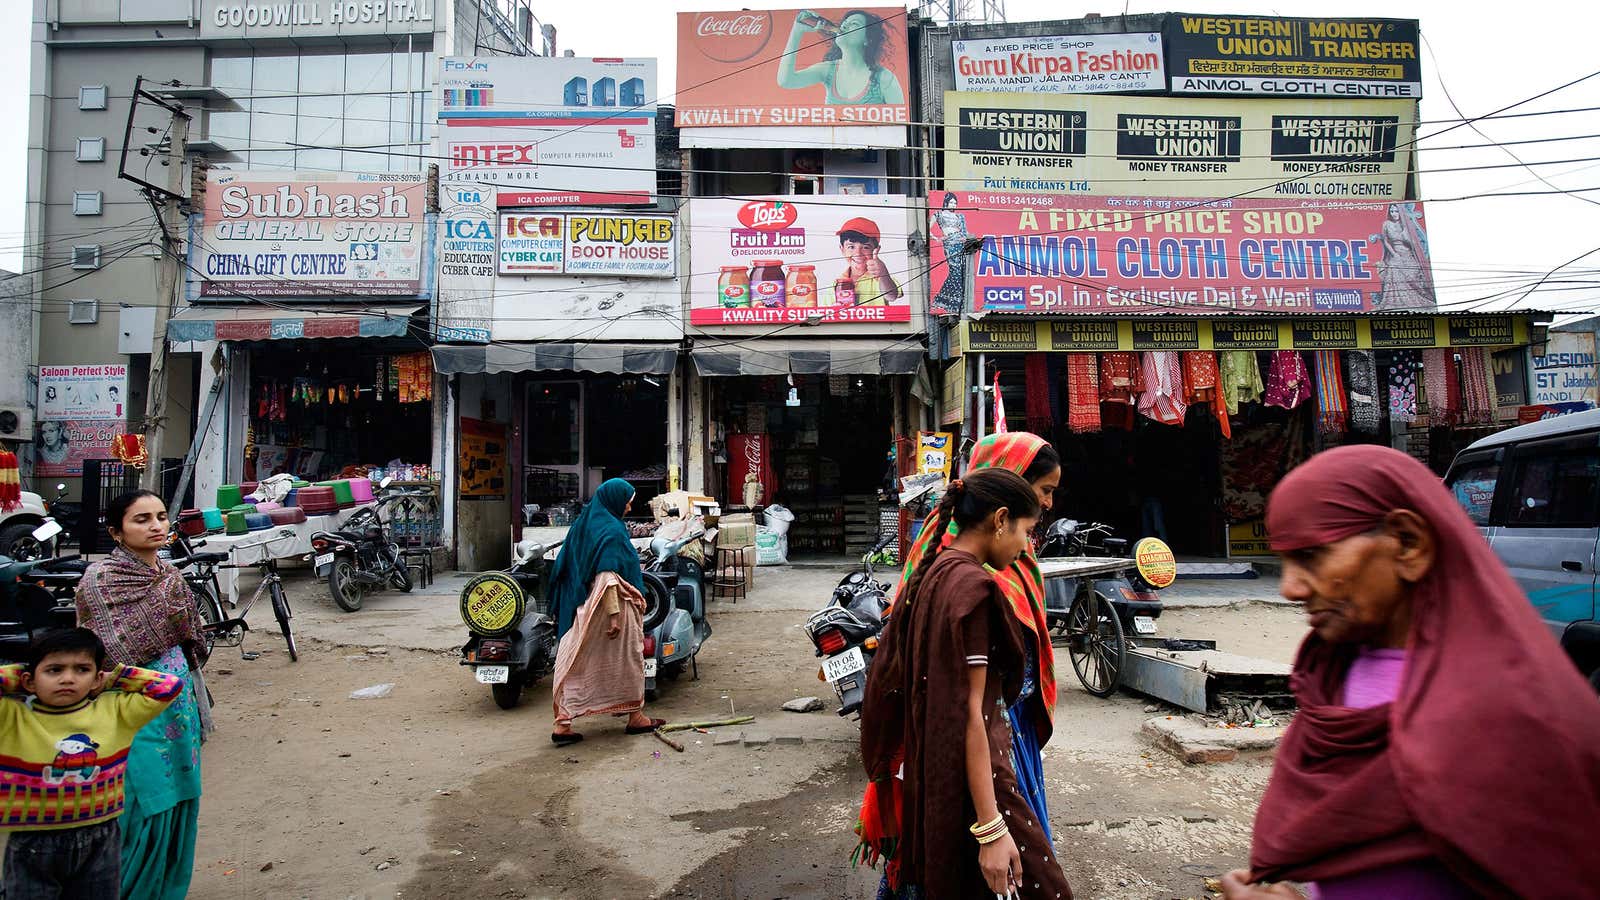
969	501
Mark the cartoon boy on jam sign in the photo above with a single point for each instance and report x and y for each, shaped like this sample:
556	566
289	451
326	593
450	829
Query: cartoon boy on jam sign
859	241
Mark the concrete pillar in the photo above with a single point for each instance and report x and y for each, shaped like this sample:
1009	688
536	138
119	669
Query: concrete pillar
699	436
677	453
210	463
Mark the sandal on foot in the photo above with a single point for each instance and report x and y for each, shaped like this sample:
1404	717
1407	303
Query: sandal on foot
562	740
644	729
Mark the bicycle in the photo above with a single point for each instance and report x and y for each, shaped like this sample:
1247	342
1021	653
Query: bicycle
230	631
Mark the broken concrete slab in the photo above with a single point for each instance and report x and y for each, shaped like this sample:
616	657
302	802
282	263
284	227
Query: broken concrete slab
788	739
757	738
1196	742
726	738
803	705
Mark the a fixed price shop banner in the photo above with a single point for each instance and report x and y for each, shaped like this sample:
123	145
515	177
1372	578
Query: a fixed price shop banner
1178	147
1273	55
1071	255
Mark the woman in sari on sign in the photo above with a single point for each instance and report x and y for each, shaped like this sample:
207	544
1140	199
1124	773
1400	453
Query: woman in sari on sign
143	612
1444	745
1021	586
935	720
597	597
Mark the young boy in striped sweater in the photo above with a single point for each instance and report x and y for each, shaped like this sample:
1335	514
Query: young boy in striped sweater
63	752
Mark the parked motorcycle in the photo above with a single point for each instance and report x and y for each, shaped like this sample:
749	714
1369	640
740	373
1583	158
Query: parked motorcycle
34	600
845	632
674	635
359	558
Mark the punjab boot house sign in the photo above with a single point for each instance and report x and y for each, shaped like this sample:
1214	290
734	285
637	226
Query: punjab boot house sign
1165	146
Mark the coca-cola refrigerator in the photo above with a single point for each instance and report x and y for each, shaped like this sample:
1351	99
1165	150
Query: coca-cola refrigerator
750	454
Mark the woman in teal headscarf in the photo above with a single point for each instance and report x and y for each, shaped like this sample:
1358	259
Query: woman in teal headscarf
596	597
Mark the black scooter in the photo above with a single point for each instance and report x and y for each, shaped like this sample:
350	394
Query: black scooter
34	599
359	559
845	632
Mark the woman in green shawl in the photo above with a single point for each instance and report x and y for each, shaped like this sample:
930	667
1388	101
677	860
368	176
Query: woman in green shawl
596	596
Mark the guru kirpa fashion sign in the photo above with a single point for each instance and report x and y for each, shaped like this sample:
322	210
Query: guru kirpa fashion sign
1060	64
1065	255
751	68
298	234
775	260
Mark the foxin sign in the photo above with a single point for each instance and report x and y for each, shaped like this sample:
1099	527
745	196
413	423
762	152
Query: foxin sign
299	235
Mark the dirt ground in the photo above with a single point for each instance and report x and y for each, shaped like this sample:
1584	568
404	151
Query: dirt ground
433	791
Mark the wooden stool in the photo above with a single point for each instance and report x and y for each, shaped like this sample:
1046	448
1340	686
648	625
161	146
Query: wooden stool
732	573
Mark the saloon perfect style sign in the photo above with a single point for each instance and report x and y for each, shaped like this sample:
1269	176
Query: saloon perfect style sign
301	234
1070	255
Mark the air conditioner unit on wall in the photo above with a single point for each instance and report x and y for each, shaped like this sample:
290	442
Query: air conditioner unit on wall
16	423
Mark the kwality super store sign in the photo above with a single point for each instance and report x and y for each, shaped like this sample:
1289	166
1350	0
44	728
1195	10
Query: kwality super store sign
304	234
550	131
1362	58
1075	255
1178	147
1060	64
778	260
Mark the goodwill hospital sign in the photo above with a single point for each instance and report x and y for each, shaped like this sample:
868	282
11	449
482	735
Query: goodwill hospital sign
312	235
305	18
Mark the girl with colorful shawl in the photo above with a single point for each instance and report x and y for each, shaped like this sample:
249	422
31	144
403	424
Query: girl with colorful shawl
597	544
1445	746
1021	586
953	658
143	612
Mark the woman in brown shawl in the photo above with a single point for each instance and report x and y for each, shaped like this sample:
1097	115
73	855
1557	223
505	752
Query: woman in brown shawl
140	607
952	662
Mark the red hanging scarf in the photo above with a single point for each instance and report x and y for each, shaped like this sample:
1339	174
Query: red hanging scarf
1083	392
1488	760
1036	372
10	482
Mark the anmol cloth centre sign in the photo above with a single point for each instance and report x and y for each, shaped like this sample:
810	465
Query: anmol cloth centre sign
304	234
1179	147
1076	255
1060	64
1368	58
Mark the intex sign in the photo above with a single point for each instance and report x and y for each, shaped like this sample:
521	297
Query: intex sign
467	155
733	37
768	215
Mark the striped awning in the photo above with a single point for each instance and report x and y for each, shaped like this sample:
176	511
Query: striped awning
258	322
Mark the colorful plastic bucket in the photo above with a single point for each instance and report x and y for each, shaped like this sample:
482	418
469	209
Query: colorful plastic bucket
229	496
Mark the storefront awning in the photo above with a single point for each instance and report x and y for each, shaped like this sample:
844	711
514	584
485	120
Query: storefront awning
616	358
265	323
819	356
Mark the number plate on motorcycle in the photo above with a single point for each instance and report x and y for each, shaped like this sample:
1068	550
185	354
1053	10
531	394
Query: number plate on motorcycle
323	559
1144	625
492	674
650	668
844	665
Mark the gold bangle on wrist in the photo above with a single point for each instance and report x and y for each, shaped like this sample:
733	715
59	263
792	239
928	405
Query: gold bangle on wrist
982	827
990	838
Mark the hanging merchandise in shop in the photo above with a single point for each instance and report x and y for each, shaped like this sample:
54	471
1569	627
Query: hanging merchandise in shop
302	234
81	410
768	261
1179	146
582	244
1082	255
1060	64
550	131
483	460
1229	54
1239	333
750	68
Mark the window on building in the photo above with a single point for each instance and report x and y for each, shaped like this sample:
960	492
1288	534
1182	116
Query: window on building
92	96
86	256
86	203
83	312
91	149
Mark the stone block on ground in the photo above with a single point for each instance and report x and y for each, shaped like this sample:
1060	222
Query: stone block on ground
726	738
757	738
1195	742
788	739
803	705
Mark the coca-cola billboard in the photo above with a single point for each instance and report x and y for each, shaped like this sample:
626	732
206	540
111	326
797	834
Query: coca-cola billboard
821	67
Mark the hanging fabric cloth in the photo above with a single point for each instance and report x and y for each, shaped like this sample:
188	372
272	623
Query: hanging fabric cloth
1120	378
10	481
1240	379
1443	386
1036	378
999	406
1365	414
1332	405
1202	383
1083	392
1162	399
1477	387
1288	382
1402	380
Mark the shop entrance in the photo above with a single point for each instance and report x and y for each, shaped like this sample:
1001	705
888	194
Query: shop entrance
578	432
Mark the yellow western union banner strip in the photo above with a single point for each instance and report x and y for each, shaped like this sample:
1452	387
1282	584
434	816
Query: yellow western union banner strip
1242	333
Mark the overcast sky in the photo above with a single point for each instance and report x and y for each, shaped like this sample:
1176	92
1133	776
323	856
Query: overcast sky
1480	247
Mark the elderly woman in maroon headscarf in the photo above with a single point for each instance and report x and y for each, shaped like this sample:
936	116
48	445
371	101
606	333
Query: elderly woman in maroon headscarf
1445	746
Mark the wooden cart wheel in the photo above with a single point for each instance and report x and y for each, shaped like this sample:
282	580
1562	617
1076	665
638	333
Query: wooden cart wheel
1096	643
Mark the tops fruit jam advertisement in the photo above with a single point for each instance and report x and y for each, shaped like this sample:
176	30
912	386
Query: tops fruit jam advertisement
746	68
1068	254
550	131
772	261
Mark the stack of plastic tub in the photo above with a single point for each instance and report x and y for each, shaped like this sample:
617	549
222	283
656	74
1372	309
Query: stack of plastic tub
316	500
361	490
257	521
229	496
235	522
212	517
